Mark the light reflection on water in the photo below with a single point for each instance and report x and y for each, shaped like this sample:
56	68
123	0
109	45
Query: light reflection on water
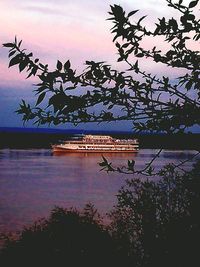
33	181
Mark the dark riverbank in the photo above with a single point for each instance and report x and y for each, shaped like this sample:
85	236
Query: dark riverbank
43	138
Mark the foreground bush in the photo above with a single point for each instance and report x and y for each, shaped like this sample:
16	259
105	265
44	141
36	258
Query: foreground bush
156	223
67	238
159	222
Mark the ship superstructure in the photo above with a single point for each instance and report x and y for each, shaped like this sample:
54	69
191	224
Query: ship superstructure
97	143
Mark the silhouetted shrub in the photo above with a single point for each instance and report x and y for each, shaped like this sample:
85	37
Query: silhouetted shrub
67	238
159	222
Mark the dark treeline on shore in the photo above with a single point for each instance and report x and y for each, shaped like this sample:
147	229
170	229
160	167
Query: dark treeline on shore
43	138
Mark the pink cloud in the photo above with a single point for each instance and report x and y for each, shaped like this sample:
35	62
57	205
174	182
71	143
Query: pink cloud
75	30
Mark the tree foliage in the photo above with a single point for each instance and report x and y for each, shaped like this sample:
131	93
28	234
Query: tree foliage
101	93
159	221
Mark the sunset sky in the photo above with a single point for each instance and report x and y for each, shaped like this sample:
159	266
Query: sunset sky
61	29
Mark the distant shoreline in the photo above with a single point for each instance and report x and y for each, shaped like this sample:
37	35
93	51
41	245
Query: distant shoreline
44	137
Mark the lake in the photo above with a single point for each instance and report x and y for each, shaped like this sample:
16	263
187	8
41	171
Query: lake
33	181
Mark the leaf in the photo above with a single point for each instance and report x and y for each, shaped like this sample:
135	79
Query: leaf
125	45
33	72
40	98
59	65
190	17
117	45
193	3
104	159
110	107
102	164
9	45
41	65
119	59
157	30
67	65
136	67
30	55
40	89
141	19
20	43
15	60
140	55
157	57
132	13
12	53
196	37
22	65
117	9
88	62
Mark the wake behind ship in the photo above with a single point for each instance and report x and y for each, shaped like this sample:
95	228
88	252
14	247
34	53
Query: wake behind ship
97	143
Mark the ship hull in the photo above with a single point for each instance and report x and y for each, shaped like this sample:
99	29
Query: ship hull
65	150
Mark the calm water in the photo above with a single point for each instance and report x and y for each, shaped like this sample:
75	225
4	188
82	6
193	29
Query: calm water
33	181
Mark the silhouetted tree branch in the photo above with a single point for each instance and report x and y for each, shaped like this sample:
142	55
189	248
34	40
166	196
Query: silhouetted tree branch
152	103
148	169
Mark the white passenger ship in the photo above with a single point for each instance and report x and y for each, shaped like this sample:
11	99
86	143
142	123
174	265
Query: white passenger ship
97	143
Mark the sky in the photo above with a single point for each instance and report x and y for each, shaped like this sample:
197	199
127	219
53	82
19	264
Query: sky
61	30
